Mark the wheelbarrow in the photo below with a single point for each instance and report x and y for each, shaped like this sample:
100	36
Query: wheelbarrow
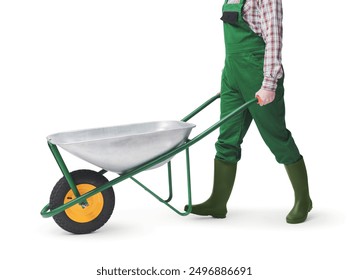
82	201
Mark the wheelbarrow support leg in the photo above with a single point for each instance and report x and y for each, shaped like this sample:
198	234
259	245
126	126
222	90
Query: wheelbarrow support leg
170	190
189	183
166	202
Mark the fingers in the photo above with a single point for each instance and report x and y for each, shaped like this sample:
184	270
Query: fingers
267	101
265	97
262	101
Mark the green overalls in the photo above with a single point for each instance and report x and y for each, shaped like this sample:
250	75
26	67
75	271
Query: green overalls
242	77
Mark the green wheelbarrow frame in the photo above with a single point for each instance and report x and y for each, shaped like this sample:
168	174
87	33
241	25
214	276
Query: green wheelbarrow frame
82	199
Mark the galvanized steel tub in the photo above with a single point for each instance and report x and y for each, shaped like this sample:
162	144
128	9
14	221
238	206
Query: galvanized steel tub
122	148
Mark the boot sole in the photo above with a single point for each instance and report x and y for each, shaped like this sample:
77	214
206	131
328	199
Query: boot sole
212	215
300	220
217	216
296	221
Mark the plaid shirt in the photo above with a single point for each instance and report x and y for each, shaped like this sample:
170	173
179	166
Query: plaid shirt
265	18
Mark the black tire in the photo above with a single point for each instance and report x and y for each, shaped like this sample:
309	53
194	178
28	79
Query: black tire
60	194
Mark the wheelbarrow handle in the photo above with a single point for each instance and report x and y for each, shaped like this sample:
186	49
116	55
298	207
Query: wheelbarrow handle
212	99
200	108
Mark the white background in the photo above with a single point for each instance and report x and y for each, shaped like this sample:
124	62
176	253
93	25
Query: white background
80	64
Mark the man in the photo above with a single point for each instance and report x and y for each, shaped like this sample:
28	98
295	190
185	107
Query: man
253	42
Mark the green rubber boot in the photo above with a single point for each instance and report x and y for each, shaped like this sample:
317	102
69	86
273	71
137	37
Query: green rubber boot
216	205
299	180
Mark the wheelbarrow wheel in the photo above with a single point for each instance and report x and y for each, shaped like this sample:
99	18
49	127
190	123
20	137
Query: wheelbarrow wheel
78	219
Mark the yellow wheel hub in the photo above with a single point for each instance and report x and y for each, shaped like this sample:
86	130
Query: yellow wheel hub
84	215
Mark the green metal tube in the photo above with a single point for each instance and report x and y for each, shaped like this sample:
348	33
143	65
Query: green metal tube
156	196
169	172
200	108
218	124
166	202
63	167
188	183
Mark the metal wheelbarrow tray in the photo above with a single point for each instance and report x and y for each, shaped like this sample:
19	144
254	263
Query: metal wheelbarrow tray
122	148
83	200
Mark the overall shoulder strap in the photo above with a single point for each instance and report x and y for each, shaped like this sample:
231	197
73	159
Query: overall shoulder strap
234	1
